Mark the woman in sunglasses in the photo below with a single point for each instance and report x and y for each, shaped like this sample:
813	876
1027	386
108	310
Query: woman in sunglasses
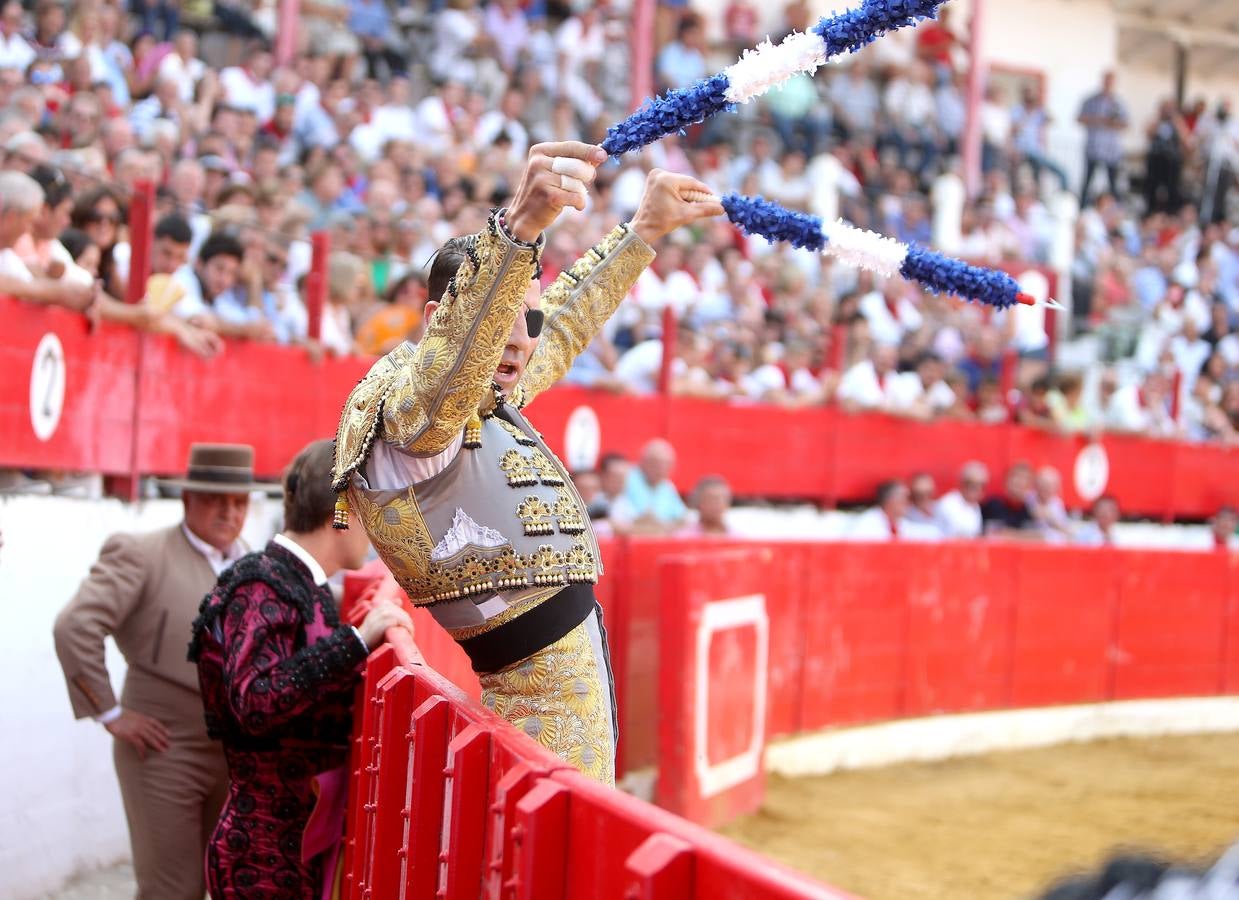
100	213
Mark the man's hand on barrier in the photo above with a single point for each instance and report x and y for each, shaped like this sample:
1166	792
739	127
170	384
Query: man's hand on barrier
665	205
140	732
383	616
557	175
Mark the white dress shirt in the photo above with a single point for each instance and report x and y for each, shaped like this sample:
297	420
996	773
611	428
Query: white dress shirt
956	517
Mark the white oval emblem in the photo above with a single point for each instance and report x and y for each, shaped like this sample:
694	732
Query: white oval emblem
582	439
47	387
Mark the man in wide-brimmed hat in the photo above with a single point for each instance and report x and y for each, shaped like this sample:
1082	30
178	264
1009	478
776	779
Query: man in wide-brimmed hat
144	591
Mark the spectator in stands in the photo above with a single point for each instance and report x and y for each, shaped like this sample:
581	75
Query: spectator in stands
650	503
884	521
1142	409
1163	160
682	61
890	312
1030	121
1066	404
874	384
1099	531
711	500
215	275
1035	409
920	521
21	200
1104	118
613	471
401	318
1222	528
991	407
1047	507
958	513
984	359
1008	515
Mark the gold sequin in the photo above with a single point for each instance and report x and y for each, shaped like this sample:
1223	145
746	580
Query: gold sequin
579	302
558	697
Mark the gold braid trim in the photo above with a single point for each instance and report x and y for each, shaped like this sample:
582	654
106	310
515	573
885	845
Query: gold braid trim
423	397
578	304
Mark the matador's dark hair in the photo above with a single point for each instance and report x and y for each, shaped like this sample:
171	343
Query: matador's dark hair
445	264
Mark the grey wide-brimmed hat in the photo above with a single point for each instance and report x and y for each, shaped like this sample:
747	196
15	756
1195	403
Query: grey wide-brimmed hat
220	469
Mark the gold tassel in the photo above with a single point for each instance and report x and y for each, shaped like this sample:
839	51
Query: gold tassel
339	519
473	432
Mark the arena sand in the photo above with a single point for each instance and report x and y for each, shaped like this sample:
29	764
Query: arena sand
1003	825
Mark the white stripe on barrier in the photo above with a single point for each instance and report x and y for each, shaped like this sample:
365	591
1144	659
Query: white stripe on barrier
971	734
716	616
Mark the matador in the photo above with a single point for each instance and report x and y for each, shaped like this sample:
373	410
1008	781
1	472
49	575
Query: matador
462	498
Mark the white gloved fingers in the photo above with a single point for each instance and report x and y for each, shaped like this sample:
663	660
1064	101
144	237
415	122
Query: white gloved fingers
573	168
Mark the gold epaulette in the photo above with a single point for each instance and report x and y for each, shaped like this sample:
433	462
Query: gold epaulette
362	416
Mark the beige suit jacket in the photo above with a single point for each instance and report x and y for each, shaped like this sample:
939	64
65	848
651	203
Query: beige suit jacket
144	590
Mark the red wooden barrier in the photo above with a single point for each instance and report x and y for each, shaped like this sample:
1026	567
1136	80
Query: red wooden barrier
447	800
723	644
66	401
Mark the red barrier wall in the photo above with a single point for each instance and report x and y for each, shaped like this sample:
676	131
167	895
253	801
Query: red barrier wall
870	632
448	801
277	399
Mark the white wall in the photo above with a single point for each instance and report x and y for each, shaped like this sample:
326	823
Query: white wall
62	806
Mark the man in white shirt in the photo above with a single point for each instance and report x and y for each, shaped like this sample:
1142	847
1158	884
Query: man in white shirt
504	120
249	86
15	51
958	514
920	521
182	65
890	313
873	384
1142	409
885	520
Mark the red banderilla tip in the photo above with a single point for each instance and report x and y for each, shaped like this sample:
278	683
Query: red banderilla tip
1026	299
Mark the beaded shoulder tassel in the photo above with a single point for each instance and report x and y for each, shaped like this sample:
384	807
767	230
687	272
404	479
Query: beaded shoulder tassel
339	519
473	431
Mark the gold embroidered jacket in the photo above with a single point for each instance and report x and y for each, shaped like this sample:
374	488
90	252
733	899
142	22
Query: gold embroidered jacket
421	399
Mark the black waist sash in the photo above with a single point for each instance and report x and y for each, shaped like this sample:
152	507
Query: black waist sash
532	631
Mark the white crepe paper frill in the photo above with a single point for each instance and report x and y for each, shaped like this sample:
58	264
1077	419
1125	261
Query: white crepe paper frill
863	249
768	65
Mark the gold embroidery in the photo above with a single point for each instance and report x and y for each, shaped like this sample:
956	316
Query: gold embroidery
567	515
478	570
521	438
398	532
547	473
579	302
535	516
423	397
558	697
518	469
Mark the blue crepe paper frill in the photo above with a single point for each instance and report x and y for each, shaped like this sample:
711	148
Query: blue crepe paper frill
756	215
668	114
944	275
851	30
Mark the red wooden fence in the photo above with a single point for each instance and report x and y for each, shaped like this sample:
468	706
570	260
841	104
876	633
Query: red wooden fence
448	801
80	389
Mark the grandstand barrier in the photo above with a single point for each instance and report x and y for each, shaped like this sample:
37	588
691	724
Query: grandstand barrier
67	401
448	801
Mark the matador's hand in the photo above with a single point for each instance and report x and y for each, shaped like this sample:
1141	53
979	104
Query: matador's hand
670	201
556	175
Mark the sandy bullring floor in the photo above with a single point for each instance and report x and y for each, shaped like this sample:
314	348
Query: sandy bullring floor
1003	825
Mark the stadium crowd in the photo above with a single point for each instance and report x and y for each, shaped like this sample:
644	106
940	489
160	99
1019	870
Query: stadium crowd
399	129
